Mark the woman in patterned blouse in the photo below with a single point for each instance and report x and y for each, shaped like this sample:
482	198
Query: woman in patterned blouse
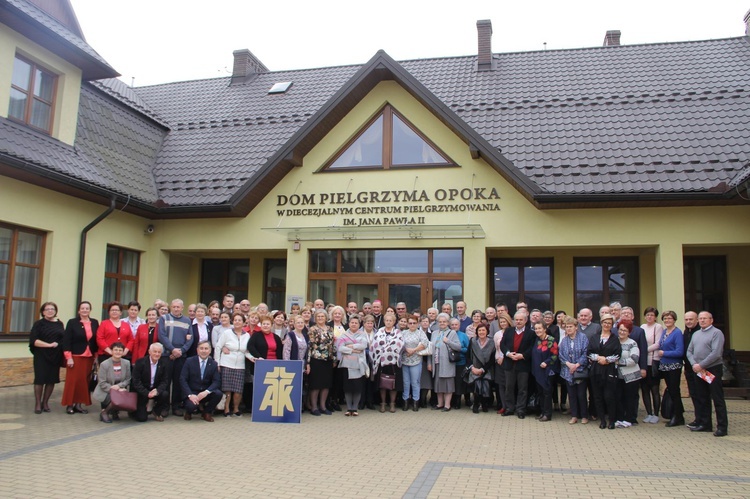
320	356
386	357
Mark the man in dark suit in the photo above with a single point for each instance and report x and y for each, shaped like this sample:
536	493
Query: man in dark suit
639	336
150	380
201	383
516	345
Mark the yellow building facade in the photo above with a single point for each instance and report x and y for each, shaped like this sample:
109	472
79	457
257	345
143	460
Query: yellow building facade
470	213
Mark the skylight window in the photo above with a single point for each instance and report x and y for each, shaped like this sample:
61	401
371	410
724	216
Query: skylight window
280	88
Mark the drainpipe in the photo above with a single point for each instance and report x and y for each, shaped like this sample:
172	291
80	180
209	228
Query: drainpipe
82	256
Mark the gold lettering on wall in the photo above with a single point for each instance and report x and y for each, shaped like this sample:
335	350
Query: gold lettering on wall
401	207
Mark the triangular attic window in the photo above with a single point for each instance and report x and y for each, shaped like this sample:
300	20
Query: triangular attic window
388	141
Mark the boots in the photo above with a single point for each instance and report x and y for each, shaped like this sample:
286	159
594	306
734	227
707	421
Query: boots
676	421
416	404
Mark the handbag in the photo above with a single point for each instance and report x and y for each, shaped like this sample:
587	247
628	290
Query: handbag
94	376
581	373
454	355
387	381
532	405
482	387
427	351
123	400
655	373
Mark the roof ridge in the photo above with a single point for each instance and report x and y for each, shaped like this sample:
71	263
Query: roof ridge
443	58
136	88
617	47
715	94
103	87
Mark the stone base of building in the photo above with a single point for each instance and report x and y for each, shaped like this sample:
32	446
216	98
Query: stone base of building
19	371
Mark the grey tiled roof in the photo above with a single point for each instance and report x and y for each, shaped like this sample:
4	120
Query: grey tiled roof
644	119
221	135
58	29
125	94
668	117
120	143
115	147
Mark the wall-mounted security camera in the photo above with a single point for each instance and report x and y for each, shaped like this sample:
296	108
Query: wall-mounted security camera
149	230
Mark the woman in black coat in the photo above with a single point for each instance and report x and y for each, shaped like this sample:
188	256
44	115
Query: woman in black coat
604	352
45	343
258	343
79	349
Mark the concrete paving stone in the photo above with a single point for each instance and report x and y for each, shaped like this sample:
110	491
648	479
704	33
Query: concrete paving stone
483	456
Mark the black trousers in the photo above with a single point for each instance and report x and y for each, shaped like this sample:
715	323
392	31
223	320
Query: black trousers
578	403
513	379
604	396
161	404
633	401
209	403
704	394
593	411
174	370
556	381
545	398
499	385
673	388
625	410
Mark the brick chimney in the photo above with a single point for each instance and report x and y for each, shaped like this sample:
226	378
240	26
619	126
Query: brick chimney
484	32
612	38
245	66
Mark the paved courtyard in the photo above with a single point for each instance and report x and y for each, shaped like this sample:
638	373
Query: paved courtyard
407	454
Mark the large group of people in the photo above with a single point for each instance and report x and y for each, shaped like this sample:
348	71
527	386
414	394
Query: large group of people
202	362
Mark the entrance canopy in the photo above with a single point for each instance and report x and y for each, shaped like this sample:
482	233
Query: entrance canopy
340	232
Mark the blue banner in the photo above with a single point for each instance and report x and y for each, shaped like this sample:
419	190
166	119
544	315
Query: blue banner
277	391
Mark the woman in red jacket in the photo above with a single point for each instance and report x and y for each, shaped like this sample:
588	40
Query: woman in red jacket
113	330
146	335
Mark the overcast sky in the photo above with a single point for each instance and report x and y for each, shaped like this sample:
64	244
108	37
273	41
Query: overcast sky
158	41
